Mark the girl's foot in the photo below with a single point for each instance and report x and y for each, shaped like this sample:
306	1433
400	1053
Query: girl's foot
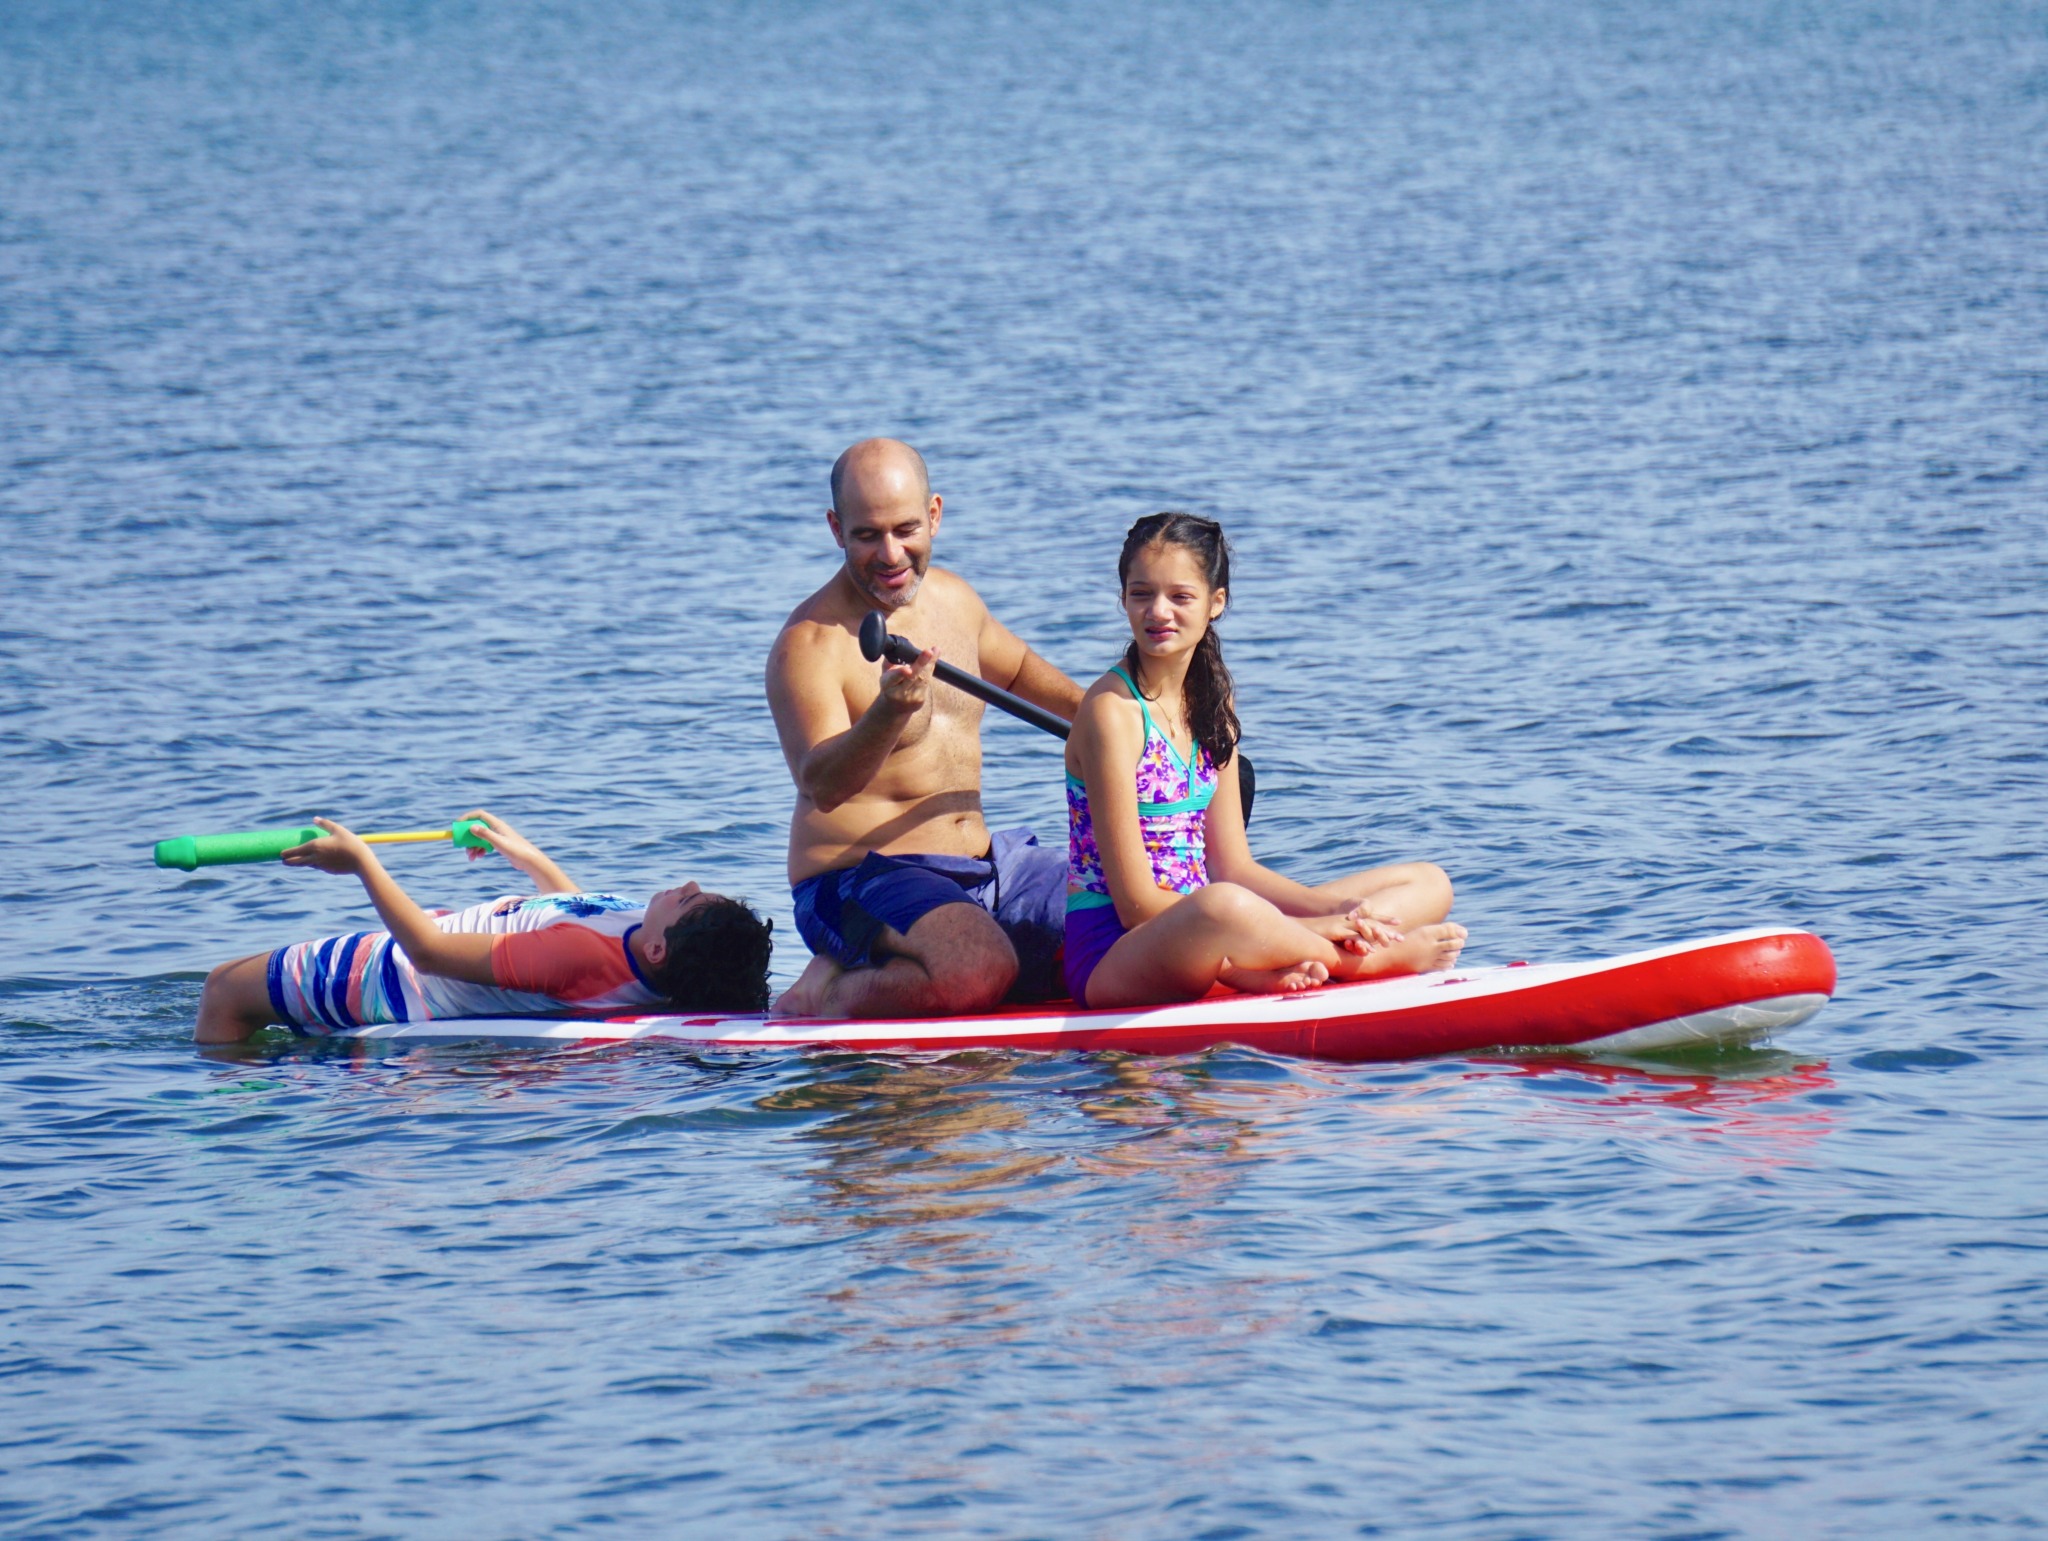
1274	981
1424	950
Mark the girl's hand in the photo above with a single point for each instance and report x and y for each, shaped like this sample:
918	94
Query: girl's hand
1356	930
339	850
502	838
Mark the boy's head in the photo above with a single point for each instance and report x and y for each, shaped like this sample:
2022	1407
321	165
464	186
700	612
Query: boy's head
706	952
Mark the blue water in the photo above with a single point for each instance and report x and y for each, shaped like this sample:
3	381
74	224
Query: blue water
1633	421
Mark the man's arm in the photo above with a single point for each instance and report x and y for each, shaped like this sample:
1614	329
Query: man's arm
831	756
1007	662
452	955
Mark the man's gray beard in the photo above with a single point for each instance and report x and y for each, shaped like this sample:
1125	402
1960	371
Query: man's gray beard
891	604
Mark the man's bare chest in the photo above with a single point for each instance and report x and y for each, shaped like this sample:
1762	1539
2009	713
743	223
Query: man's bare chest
946	713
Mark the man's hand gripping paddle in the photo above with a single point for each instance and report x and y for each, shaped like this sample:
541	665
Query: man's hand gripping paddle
877	645
191	851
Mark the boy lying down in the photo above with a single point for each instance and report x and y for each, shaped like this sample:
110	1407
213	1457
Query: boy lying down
556	949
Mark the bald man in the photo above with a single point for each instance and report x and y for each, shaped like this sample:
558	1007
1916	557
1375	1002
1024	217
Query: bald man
910	906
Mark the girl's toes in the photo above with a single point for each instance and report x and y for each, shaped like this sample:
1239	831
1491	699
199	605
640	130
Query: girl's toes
1304	976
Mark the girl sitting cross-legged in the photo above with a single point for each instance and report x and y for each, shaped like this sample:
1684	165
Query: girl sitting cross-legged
1164	899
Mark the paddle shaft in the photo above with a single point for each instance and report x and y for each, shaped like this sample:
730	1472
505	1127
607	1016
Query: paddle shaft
877	643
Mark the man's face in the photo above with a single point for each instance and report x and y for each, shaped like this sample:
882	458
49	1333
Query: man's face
888	544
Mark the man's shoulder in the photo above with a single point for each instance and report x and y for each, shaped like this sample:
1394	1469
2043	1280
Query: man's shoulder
953	592
816	636
825	615
825	605
950	584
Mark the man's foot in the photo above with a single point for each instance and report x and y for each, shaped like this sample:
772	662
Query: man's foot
1274	981
1423	950
806	997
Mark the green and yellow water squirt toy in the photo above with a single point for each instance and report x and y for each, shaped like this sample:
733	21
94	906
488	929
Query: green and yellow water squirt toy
189	852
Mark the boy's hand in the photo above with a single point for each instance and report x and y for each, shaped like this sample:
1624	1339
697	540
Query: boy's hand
340	850
502	838
520	851
1356	930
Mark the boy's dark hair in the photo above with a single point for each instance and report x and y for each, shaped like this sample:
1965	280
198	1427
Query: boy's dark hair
717	959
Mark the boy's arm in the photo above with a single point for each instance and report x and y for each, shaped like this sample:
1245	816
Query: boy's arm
453	955
522	853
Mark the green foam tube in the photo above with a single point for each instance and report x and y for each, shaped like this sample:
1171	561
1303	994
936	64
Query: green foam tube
465	832
190	851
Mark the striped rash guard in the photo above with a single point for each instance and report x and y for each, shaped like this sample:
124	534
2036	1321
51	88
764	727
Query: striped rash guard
552	952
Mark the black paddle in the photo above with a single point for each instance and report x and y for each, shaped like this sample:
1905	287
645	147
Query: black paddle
876	644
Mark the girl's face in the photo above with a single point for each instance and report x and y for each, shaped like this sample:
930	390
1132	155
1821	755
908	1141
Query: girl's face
1168	601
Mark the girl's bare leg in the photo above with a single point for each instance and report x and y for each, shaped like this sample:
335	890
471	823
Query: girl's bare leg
1227	933
1219	932
1410	894
1421	950
235	1001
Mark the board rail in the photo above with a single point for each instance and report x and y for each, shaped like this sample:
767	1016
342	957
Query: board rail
1720	991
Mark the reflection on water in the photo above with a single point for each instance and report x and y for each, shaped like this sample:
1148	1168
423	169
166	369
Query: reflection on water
954	1169
941	1165
952	1276
1629	422
918	1144
1760	1103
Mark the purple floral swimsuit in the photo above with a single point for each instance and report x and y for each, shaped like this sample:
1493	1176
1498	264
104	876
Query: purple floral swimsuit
1173	802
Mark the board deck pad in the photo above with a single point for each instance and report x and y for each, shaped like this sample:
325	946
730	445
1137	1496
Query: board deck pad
1721	991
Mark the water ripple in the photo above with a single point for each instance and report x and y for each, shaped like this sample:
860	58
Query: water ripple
1625	423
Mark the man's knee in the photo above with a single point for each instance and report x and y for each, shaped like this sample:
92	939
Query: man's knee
970	962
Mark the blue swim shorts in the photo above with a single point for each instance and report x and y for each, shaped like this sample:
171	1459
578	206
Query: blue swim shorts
840	914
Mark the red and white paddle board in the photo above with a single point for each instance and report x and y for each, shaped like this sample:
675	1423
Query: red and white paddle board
1723	990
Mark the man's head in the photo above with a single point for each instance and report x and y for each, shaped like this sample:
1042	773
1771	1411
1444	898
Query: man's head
706	952
884	516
